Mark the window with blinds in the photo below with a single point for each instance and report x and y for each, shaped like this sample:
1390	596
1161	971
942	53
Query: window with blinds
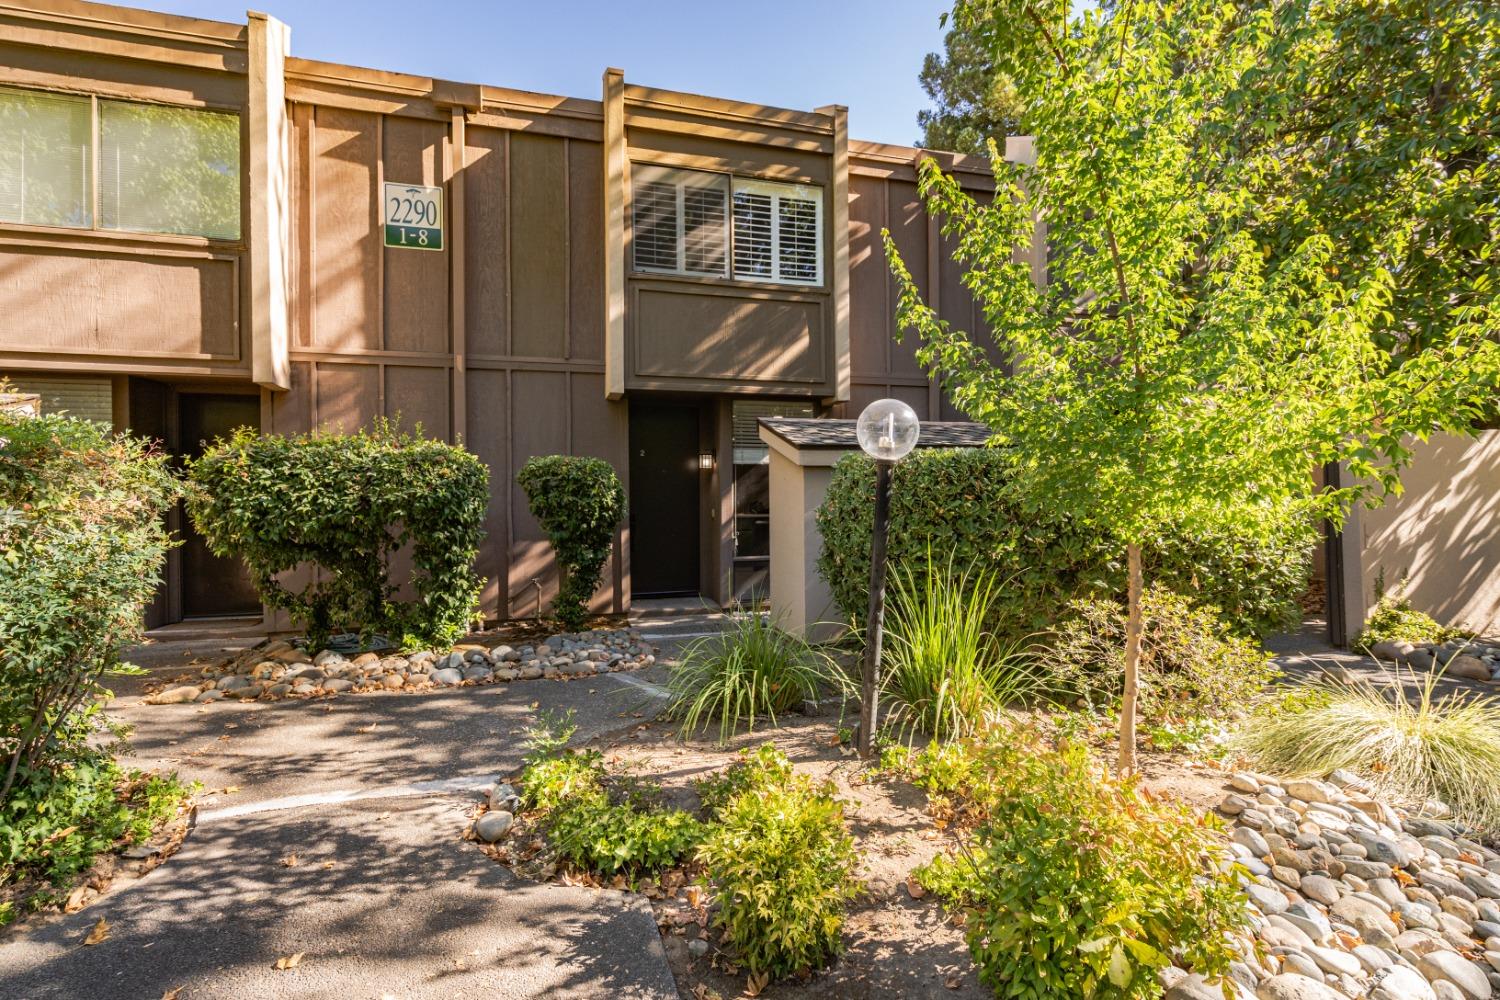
678	222
697	223
778	232
169	170
46	152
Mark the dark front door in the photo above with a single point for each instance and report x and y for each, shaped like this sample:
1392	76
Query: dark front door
212	585
663	500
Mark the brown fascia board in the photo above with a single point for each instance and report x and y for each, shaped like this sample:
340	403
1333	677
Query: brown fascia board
128	20
124	32
722	109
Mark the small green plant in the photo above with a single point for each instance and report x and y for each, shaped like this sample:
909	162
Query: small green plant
944	673
1444	748
1395	620
752	668
763	767
579	503
782	864
1077	884
592	821
1192	666
59	821
347	503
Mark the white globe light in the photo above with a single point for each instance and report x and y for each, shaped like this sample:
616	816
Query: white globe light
888	430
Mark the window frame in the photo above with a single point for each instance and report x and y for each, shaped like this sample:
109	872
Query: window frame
95	171
642	173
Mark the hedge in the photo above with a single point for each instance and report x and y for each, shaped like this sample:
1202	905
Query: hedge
962	501
346	504
579	502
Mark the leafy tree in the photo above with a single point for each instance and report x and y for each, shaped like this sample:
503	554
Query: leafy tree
975	102
1173	372
1377	118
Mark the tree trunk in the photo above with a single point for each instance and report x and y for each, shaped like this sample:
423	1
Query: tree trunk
1132	661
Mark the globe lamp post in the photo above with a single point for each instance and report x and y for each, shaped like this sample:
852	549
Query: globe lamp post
887	432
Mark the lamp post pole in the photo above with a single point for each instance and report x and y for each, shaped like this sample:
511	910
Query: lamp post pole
869	687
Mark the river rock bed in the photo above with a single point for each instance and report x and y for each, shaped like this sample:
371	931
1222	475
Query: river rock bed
1471	661
278	669
1351	898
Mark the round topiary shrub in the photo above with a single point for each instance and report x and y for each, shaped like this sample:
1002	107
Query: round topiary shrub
344	504
579	503
963	503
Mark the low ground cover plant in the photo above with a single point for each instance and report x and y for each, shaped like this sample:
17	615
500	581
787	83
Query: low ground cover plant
782	864
1192	666
967	504
751	669
1074	883
1432	747
1395	620
59	821
597	823
346	504
944	672
579	503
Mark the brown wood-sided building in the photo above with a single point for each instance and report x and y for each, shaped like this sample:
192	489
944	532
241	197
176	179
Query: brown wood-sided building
199	231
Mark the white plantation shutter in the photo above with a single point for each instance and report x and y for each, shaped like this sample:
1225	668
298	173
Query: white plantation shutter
46	152
655	227
778	232
678	221
797	239
753	249
703	230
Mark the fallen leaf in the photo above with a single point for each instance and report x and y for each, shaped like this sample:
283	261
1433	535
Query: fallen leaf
954	981
173	993
60	834
328	864
367	729
756	982
231	789
289	961
289	861
914	888
99	933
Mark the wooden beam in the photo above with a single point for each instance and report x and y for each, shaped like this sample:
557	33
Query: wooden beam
457	159
614	233
839	193
270	193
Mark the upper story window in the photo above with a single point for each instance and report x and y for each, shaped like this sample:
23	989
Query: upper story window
697	223
156	169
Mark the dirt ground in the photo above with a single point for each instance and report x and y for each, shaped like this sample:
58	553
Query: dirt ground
896	943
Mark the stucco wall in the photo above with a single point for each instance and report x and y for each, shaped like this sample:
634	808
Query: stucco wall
1443	533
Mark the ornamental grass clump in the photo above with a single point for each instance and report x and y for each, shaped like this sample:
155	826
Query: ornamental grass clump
944	672
1076	884
782	865
753	668
1413	750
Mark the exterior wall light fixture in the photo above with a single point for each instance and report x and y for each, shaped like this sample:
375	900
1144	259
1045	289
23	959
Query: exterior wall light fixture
705	460
887	431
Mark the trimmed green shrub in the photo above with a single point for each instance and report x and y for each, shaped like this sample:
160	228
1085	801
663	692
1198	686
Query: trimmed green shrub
1446	749
757	769
1192	667
345	504
1076	884
782	864
751	668
1395	620
962	502
597	824
943	672
579	503
82	537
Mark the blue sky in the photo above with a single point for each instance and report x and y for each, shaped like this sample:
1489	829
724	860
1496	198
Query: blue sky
781	52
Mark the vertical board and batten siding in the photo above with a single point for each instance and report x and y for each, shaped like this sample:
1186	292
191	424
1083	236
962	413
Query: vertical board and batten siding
373	334
883	196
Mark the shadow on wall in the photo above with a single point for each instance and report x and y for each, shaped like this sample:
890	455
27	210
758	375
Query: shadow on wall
1442	535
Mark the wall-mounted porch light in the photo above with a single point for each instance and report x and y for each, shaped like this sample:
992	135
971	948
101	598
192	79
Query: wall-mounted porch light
706	460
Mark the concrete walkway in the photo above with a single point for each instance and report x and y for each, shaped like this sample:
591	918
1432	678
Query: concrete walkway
1307	655
371	793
